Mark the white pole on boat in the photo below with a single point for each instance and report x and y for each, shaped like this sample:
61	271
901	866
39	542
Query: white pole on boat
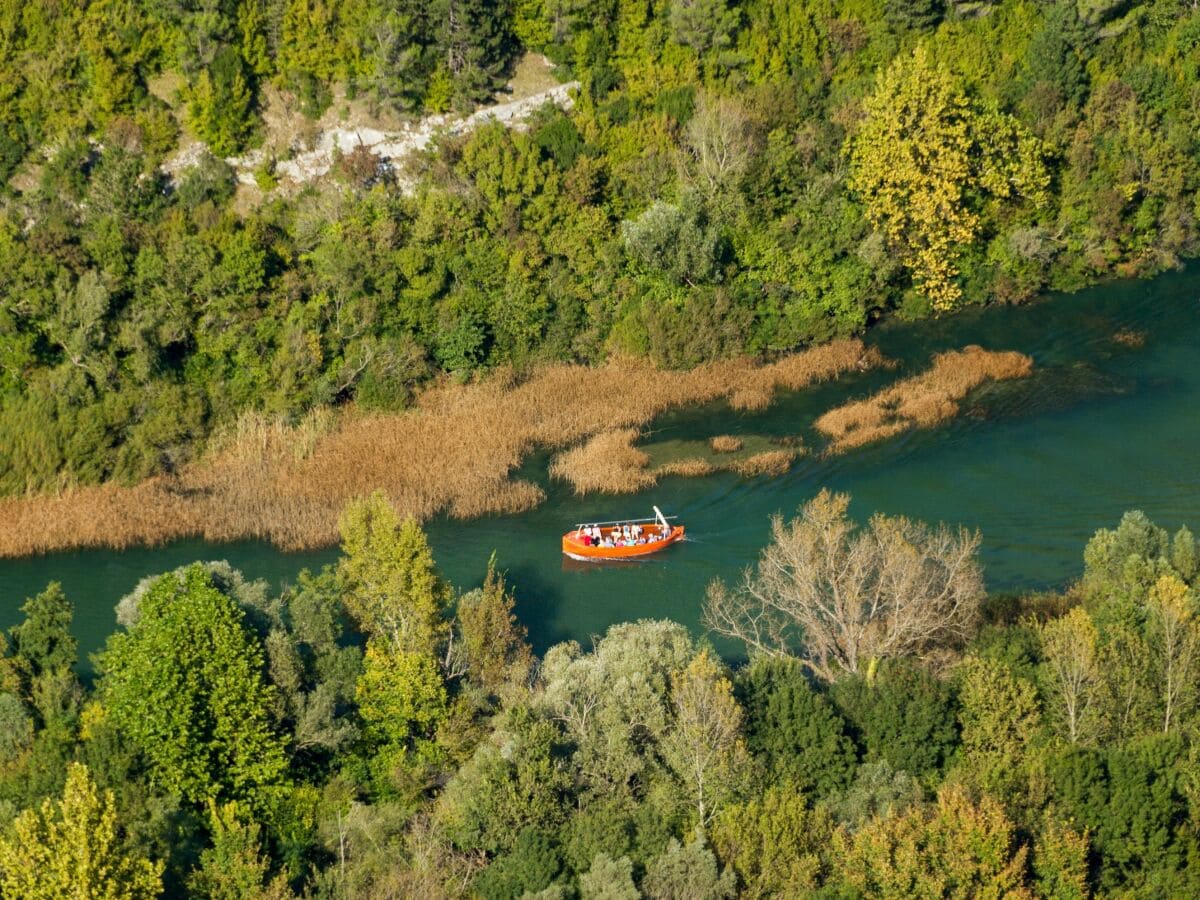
663	519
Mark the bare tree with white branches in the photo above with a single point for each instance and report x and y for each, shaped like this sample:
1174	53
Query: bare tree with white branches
846	597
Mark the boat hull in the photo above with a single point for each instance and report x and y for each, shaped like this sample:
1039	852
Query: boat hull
573	547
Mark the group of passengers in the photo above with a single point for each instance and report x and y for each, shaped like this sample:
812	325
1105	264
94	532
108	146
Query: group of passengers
621	536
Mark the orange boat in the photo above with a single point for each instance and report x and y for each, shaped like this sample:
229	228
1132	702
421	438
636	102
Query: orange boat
656	534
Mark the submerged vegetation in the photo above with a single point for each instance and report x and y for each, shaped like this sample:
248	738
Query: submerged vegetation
373	732
920	401
731	179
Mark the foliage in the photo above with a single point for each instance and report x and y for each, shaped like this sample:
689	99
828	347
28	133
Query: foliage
687	870
775	844
954	849
186	684
794	729
267	745
71	848
904	716
921	153
496	654
705	749
392	587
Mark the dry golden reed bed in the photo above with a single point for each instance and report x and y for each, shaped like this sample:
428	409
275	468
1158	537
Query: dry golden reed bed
725	443
920	401
453	453
609	463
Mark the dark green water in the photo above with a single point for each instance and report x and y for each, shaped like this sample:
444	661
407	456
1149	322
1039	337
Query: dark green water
1037	465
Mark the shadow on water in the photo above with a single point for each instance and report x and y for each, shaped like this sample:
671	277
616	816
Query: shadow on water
1107	423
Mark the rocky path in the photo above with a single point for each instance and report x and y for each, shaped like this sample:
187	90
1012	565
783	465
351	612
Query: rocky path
395	145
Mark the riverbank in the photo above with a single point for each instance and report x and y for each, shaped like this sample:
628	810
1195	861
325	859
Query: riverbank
454	453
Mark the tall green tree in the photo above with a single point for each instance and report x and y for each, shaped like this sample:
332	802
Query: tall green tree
921	160
72	847
957	848
795	730
392	587
186	684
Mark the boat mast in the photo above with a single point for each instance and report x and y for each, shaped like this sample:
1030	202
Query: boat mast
662	519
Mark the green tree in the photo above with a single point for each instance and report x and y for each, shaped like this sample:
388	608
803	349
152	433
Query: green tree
922	156
234	867
774	843
1000	722
515	780
704	747
186	684
532	864
703	25
878	791
608	879
220	103
954	849
615	702
72	848
392	587
794	729
1125	562
688	870
905	716
492	639
42	643
1060	860
1072	673
401	695
1174	637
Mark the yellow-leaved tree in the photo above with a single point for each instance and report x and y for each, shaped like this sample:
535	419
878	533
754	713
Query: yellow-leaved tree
70	848
925	161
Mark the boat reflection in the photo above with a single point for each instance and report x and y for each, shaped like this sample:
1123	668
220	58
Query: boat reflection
569	564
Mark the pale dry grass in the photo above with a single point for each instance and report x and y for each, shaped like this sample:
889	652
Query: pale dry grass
1128	337
610	463
771	462
756	388
692	467
725	443
607	463
453	453
920	401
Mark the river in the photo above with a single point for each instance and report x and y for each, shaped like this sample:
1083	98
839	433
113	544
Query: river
1104	425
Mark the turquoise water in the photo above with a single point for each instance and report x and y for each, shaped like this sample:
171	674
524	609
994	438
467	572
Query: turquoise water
1037	465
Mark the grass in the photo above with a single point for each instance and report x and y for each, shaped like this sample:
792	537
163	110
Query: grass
1127	337
725	443
921	401
609	463
453	453
771	462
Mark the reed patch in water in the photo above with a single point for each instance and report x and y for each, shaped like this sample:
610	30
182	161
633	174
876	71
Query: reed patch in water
454	452
725	443
770	462
606	463
610	463
1128	337
920	401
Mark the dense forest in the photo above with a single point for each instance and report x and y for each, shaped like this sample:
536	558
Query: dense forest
372	732
732	178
